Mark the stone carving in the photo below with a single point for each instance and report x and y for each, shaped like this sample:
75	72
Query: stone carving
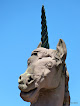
45	82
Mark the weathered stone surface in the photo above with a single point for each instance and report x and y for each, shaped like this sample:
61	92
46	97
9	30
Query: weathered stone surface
46	78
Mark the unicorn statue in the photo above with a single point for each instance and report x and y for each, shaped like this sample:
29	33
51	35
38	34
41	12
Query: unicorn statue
45	82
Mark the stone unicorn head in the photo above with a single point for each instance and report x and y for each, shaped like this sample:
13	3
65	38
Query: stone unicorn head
45	82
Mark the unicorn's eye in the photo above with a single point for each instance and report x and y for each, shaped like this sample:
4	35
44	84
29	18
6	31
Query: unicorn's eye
49	56
35	54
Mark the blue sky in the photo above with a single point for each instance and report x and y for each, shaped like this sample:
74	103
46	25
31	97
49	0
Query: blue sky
20	34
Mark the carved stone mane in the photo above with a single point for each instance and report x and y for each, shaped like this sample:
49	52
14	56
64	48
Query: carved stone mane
45	82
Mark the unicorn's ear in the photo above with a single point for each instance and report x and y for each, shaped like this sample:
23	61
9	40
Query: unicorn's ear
39	45
61	50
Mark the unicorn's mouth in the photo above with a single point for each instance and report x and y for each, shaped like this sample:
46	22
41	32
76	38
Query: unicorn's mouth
29	93
33	90
30	96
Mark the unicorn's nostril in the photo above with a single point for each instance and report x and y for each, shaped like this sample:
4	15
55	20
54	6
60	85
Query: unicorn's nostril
20	77
30	79
20	81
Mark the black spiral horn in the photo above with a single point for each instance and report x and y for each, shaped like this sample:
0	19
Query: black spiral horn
44	33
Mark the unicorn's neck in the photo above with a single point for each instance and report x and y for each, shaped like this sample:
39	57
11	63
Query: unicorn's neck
52	97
